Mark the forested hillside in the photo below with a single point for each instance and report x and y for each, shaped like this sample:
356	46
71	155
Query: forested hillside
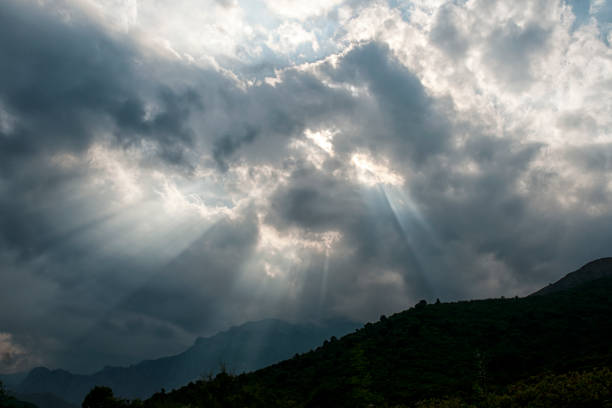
463	351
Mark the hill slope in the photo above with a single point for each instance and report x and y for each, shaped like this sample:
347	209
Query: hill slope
430	351
247	347
600	268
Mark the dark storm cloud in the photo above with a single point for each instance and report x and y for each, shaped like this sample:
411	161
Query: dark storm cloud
263	121
190	290
399	121
402	120
68	86
64	82
196	292
371	233
315	201
472	222
190	296
482	208
65	86
169	128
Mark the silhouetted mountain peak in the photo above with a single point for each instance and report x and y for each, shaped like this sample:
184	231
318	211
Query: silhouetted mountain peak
597	269
39	370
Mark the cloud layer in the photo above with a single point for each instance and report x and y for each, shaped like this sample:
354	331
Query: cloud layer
168	170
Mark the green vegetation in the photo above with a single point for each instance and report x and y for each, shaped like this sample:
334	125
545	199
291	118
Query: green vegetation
464	354
102	397
586	389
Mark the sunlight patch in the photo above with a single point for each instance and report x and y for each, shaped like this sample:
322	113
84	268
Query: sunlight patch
372	172
282	251
117	172
275	240
317	147
323	139
175	202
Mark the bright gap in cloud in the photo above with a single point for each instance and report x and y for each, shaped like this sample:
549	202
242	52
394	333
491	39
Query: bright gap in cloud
372	172
323	139
279	251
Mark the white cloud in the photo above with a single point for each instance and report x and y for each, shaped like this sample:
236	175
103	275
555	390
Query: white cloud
191	30
286	38
567	75
301	10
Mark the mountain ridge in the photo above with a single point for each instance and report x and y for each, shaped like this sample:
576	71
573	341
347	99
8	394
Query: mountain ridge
536	317
240	348
461	350
593	270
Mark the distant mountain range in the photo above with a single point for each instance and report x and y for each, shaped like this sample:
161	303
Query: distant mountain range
243	348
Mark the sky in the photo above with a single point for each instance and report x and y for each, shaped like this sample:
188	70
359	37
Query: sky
169	169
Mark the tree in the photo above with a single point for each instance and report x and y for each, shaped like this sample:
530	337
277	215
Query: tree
100	397
422	303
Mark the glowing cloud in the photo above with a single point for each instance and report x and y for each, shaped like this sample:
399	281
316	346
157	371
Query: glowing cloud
370	172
